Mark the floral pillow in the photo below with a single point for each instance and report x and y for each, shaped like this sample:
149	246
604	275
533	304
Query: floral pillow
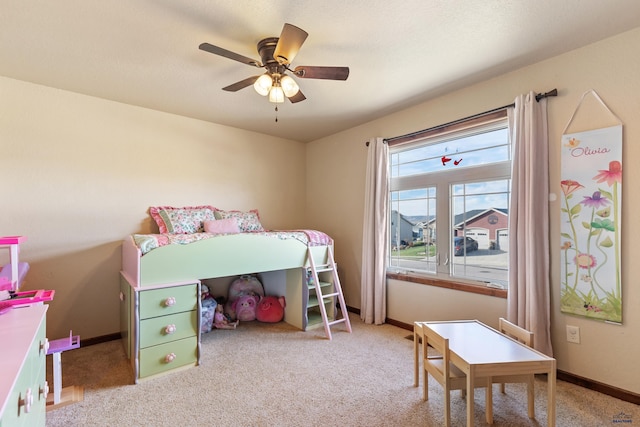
185	220
247	221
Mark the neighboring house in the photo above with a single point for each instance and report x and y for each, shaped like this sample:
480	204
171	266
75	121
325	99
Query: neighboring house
417	232
488	226
402	230
428	228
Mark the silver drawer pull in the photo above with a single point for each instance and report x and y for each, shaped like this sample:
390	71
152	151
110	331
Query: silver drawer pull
169	302
170	329
26	402
170	357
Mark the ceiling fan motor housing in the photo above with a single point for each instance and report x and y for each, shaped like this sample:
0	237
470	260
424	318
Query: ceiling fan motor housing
266	47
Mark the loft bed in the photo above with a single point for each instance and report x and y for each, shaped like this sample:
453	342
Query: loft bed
209	256
219	256
160	280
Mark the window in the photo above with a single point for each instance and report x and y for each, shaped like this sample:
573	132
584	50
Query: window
449	204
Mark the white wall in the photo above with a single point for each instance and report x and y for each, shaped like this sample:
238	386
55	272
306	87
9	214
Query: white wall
607	352
79	174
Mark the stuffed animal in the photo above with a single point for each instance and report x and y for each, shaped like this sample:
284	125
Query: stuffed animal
243	285
204	292
270	309
220	321
208	308
245	307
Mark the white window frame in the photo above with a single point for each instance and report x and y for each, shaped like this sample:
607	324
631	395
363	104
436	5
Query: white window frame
443	181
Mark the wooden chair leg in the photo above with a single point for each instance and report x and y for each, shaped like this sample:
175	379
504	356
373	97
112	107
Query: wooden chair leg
425	386
425	374
416	358
447	408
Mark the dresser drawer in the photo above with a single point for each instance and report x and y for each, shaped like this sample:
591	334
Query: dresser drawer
38	361
164	357
160	302
163	329
23	367
40	398
38	352
16	413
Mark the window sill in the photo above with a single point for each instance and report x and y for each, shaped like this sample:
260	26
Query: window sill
448	284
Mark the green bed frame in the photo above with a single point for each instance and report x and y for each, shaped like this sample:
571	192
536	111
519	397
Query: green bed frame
223	256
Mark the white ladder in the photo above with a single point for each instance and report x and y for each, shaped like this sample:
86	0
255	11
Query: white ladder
328	265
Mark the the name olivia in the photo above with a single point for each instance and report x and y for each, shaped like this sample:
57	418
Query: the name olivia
586	151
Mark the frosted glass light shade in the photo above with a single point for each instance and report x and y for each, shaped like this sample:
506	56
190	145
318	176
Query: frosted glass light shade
263	84
276	95
289	86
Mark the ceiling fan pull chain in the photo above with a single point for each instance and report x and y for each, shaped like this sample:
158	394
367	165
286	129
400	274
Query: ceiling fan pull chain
276	113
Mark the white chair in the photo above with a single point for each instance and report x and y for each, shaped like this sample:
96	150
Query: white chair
525	337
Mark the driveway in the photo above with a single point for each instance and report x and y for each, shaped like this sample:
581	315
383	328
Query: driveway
487	257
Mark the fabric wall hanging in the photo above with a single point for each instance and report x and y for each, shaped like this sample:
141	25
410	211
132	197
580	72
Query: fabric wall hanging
591	183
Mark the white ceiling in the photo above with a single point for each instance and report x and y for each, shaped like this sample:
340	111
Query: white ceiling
400	52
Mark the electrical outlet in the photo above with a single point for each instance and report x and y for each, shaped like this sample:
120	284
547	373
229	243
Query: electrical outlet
573	334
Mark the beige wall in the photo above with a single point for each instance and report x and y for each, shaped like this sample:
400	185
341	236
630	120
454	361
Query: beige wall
607	353
79	173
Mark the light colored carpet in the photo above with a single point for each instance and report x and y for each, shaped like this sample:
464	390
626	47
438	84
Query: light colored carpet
275	375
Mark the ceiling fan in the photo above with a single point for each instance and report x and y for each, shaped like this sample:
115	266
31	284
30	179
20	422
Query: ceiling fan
276	54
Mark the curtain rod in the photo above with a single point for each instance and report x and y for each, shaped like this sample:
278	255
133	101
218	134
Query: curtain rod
539	96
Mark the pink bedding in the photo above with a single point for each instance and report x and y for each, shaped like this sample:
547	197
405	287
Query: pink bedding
148	242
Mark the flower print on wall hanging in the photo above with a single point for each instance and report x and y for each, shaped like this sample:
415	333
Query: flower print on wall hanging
591	184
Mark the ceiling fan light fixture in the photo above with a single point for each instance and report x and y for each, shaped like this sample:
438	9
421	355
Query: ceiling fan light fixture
276	95
263	84
289	86
276	54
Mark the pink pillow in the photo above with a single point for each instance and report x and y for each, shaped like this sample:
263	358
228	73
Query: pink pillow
222	226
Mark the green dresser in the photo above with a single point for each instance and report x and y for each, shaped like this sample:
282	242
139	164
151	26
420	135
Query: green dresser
161	327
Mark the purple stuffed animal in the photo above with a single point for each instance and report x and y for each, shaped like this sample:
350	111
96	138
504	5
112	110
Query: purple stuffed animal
245	307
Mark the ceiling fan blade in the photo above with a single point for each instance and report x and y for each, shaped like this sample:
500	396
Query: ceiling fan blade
289	43
297	97
228	54
241	84
330	73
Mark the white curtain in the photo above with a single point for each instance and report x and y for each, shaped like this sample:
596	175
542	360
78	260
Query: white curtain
528	301
373	288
